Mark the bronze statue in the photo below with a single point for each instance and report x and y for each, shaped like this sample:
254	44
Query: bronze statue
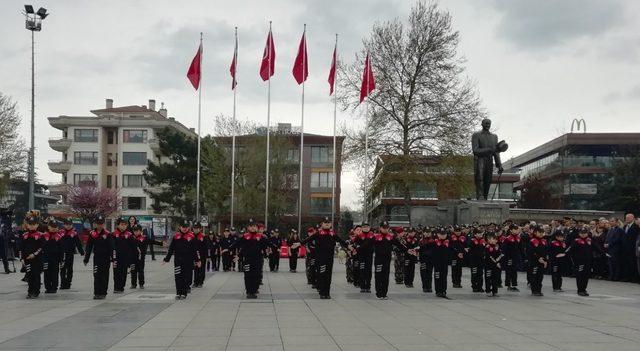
486	149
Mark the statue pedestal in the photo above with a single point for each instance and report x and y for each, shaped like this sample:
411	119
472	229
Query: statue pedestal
470	211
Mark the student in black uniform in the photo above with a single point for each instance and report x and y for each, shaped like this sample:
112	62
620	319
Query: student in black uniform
213	252
100	243
458	243
409	272
425	255
142	243
477	247
538	260
31	256
512	249
364	242
325	241
581	251
558	260
383	244
225	243
52	256
252	244
124	247
274	254
185	259
441	252
293	245
200	245
310	259
70	243
492	265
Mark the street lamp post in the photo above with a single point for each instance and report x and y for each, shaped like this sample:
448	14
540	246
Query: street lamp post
33	22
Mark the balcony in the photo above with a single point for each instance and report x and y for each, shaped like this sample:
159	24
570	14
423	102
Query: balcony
59	166
60	144
58	188
154	144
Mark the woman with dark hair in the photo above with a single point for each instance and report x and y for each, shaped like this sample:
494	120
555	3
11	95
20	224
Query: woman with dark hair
294	245
131	223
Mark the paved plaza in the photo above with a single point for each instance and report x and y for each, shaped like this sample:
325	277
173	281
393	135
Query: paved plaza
289	316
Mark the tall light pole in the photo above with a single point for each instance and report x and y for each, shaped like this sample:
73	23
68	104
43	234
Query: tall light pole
33	22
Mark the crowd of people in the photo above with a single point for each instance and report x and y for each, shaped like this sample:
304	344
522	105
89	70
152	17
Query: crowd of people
603	248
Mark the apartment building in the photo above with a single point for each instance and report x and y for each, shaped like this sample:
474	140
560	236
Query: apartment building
111	148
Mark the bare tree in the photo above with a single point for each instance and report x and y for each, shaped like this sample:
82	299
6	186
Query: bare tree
422	103
87	200
225	125
13	153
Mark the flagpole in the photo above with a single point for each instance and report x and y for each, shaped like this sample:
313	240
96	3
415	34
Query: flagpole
335	109
365	215
266	193
304	58
199	119
233	124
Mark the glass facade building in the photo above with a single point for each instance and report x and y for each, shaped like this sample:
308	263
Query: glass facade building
574	166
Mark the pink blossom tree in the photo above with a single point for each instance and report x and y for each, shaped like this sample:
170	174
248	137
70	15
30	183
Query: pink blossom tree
87	200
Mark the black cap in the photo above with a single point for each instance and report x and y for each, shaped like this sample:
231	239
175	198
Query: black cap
67	220
558	233
584	230
513	226
384	224
233	229
121	220
538	229
197	224
99	219
251	222
184	222
365	224
226	229
326	220
137	228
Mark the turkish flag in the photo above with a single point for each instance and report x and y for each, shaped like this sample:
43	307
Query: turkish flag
332	71
194	69
232	69
301	64
268	59
368	81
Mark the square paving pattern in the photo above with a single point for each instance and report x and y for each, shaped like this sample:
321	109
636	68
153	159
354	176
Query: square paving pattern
290	316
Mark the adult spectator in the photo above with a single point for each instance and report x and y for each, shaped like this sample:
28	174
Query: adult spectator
629	270
613	245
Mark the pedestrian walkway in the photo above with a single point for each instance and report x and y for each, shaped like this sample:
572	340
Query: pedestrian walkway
288	315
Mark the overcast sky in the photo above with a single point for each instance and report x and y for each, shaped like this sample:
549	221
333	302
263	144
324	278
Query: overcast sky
537	64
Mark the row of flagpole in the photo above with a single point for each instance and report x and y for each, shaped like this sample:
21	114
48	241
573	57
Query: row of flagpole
300	72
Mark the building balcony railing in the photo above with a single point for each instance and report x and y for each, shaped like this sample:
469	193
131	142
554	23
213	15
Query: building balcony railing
60	144
59	166
58	188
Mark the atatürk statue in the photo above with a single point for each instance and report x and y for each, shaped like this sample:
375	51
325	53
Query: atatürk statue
486	149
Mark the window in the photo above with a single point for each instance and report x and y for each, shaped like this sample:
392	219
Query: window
134	136
320	205
109	181
132	181
321	154
134	203
85	135
82	178
134	158
85	158
321	179
293	155
291	181
112	159
111	137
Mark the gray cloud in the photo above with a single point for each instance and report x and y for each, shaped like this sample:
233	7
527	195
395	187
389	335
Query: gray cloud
543	24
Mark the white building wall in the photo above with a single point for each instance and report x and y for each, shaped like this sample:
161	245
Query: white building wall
84	146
